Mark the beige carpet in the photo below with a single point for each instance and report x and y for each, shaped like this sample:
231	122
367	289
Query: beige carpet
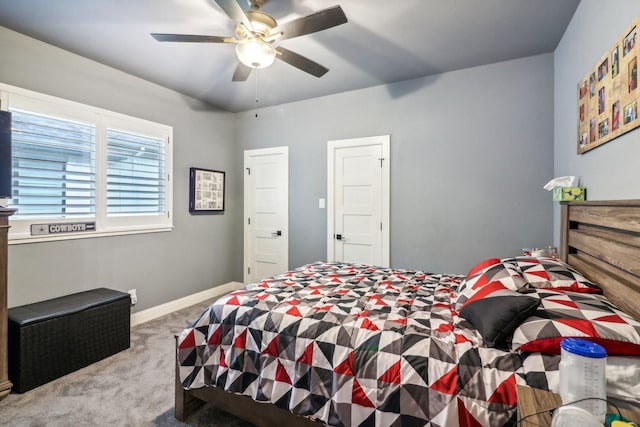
131	388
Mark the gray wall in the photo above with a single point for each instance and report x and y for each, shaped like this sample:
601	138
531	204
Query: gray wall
471	151
610	171
201	251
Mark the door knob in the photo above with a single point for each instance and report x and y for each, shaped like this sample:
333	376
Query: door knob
277	233
340	237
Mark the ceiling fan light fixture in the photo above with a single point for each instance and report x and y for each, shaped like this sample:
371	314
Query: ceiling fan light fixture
255	53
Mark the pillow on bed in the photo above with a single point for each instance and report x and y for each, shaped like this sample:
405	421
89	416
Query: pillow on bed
569	314
504	273
483	265
545	272
496	311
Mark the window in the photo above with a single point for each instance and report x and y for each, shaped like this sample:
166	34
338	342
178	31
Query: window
75	163
53	166
135	174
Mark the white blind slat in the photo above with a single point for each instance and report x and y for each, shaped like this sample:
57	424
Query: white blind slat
135	173
53	166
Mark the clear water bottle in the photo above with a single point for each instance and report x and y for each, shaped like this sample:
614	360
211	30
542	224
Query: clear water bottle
582	375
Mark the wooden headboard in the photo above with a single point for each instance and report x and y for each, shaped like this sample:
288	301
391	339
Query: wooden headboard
601	239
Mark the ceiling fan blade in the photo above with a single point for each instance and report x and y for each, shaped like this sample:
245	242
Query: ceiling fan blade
301	62
242	73
315	22
191	38
235	12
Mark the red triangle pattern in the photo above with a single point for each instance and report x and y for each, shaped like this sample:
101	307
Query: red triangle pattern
368	324
465	418
460	339
223	363
392	288
188	342
483	265
216	337
448	383
505	392
568	303
613	318
584	326
241	340
377	298
363	313
346	367
402	321
542	274
444	328
307	356
281	374
272	348
293	311
488	289
482	280
359	396
392	375
233	301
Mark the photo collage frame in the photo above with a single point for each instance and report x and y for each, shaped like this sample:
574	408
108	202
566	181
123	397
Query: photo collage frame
608	95
206	191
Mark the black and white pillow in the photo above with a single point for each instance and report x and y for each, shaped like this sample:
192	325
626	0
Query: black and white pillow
546	272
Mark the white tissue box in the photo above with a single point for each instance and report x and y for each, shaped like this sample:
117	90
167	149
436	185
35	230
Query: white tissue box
569	194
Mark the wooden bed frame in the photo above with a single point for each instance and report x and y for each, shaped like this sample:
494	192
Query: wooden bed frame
600	239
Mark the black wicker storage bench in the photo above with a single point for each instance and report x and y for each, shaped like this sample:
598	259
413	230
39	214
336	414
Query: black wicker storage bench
52	338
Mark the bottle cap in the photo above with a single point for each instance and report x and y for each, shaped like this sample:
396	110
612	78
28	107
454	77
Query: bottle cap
583	348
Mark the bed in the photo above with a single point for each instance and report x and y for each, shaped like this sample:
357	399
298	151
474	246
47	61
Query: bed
349	344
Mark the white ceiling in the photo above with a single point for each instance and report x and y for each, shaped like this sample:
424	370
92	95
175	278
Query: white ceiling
384	41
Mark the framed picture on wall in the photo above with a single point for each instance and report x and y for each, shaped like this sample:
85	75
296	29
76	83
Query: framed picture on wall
206	191
608	91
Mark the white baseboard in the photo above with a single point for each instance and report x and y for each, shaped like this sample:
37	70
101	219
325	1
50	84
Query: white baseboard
189	300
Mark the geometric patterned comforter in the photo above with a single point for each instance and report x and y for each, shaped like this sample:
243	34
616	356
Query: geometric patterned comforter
354	345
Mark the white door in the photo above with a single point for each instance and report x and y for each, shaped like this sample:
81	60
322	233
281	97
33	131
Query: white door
358	200
266	212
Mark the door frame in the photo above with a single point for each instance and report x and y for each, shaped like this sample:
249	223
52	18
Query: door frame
283	150
384	141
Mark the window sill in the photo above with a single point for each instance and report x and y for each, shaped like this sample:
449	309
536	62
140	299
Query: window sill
22	239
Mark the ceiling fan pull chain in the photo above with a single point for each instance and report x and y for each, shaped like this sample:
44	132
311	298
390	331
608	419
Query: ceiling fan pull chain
257	73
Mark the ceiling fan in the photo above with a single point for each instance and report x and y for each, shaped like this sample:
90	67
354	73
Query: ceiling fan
256	34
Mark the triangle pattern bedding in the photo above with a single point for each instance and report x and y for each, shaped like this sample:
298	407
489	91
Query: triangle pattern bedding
355	345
